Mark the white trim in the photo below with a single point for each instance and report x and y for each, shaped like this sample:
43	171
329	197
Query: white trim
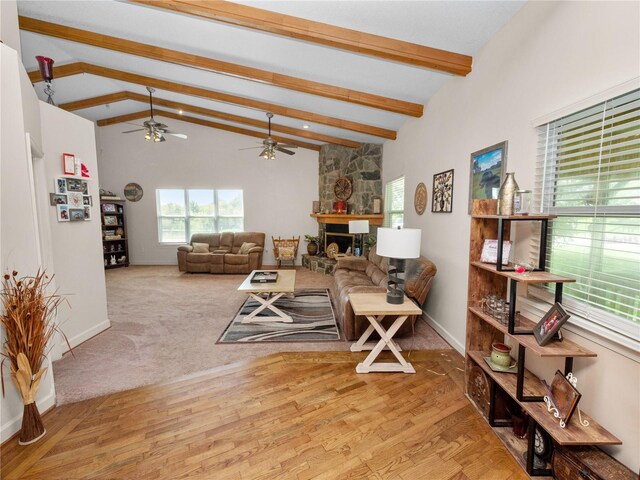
600	97
91	332
12	426
444	333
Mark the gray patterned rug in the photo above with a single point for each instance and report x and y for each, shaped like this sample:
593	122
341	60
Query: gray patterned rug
310	309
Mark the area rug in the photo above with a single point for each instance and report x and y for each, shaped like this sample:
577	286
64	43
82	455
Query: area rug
310	309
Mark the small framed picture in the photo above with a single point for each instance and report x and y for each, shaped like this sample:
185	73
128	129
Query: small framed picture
442	193
490	251
75	199
377	205
63	213
109	220
87	213
76	214
74	185
61	185
550	324
87	201
58	199
564	395
68	164
85	187
109	207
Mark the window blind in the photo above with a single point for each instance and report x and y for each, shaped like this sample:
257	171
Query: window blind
588	173
394	203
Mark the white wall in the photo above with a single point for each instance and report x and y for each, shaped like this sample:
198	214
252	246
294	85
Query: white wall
19	248
277	194
77	246
9	32
551	55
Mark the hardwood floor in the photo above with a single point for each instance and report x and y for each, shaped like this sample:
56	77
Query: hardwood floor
285	416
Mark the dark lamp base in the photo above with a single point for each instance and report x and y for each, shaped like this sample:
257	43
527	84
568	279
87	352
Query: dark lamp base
395	296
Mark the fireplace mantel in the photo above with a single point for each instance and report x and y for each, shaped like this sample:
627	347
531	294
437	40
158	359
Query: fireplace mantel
343	218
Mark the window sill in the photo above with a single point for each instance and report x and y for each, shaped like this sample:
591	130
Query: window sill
595	332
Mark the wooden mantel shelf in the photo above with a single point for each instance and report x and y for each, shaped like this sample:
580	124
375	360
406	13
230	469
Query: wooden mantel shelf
343	218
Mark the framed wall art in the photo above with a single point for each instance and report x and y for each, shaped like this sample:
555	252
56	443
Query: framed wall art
58	199
420	198
68	164
76	214
442	195
487	172
62	213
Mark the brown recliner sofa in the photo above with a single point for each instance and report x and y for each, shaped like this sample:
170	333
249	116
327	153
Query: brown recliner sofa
365	276
223	253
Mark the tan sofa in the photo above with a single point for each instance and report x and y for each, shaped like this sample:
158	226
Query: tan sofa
364	276
223	253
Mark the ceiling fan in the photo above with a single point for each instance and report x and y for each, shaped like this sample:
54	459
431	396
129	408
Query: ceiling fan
270	145
154	130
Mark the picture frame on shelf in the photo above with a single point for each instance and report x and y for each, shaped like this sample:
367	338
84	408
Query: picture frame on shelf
68	164
564	396
58	199
62	213
552	321
442	193
109	208
376	206
109	220
487	172
490	251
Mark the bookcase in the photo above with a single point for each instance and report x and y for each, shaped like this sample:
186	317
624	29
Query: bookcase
115	244
523	388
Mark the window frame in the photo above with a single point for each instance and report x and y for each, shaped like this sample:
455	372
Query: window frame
387	201
187	216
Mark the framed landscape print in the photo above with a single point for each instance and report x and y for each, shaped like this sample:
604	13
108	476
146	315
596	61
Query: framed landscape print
487	172
442	196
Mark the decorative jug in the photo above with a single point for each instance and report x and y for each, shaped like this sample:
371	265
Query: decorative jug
507	194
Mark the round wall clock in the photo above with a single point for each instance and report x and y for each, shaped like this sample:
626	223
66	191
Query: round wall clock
420	198
133	192
342	188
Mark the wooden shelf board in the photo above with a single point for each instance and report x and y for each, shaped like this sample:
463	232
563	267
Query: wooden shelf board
114	240
517	447
107	267
517	217
533	277
566	348
573	434
343	218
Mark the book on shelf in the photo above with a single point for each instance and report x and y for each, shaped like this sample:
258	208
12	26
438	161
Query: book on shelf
112	237
110	197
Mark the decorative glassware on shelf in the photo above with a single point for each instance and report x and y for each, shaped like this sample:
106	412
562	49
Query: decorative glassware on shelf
524	267
496	307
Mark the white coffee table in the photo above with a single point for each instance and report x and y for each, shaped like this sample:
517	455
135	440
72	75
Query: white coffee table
374	306
267	293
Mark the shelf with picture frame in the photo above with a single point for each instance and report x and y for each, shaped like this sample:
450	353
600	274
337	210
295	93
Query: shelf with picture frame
524	388
115	244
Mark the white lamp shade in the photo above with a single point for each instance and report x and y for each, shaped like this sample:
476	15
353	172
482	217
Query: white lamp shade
358	226
399	243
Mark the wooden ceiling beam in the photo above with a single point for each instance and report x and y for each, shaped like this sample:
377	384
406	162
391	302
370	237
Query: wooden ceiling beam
319	33
60	71
217	66
206	123
226	98
126	95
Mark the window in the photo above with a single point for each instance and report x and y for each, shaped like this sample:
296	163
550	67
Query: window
394	203
181	213
588	173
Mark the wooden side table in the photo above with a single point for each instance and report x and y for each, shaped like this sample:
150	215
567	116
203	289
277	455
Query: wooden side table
374	306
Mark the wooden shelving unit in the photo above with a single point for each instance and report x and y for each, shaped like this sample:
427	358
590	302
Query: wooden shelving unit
114	247
524	388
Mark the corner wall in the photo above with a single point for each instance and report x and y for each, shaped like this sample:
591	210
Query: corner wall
278	194
551	55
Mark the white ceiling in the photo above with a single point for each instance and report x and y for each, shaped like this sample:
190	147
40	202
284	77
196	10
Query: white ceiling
458	26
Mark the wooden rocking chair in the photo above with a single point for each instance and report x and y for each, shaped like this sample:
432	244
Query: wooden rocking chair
285	249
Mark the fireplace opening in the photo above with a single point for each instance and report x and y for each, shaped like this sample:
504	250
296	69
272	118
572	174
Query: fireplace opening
343	240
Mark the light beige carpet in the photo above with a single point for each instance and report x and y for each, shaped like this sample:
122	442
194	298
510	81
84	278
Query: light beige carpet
164	324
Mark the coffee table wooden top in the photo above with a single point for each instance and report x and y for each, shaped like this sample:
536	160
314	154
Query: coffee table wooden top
285	284
376	304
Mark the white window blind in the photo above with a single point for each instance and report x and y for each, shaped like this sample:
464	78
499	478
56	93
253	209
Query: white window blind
394	203
588	173
181	213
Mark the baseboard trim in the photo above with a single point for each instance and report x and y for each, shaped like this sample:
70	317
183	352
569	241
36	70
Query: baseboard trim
87	334
444	333
10	428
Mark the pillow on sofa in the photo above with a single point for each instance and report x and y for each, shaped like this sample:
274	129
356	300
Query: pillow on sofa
200	248
245	247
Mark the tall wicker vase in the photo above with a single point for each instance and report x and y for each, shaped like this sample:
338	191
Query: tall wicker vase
27	384
507	195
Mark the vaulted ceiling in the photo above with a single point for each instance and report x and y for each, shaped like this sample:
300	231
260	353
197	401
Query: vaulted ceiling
352	71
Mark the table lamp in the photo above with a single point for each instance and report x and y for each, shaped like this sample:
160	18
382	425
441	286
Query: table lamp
398	244
359	227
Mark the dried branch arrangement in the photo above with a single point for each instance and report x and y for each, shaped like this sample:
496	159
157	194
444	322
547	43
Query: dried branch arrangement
28	317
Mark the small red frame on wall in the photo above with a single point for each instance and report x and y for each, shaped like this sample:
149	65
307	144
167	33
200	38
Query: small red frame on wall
69	164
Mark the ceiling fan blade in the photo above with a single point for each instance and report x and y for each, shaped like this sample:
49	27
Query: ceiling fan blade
284	150
287	146
249	148
136	130
176	134
161	126
136	124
